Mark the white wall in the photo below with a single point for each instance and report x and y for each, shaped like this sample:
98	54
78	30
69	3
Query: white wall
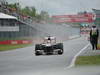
9	28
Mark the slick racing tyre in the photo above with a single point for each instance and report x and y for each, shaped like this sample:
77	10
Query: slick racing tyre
37	54
60	46
37	48
60	52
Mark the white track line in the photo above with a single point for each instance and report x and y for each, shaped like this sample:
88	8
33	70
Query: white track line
74	59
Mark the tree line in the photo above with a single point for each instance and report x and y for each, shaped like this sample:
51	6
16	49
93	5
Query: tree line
27	10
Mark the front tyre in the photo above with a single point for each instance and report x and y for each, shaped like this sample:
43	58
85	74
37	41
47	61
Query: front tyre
37	54
60	52
60	46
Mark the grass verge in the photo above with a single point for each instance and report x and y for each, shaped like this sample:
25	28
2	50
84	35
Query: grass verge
11	47
98	46
88	60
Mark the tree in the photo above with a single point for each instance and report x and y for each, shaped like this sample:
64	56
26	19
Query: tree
31	11
44	15
38	16
15	7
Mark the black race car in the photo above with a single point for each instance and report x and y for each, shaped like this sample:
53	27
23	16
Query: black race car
49	47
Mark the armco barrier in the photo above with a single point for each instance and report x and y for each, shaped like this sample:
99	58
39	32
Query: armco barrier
8	42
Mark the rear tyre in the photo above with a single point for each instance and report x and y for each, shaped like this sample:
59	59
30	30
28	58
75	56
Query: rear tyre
38	47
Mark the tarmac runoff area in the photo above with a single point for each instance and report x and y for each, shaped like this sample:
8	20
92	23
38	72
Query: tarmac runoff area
90	52
85	51
88	57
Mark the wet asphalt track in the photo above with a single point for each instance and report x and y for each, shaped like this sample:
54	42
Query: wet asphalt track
24	62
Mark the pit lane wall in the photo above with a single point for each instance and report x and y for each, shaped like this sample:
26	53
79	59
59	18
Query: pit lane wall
9	42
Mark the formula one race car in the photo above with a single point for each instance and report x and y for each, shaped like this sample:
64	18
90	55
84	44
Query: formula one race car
49	47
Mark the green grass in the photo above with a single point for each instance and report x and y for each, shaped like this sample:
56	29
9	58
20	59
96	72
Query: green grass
88	60
98	46
12	47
